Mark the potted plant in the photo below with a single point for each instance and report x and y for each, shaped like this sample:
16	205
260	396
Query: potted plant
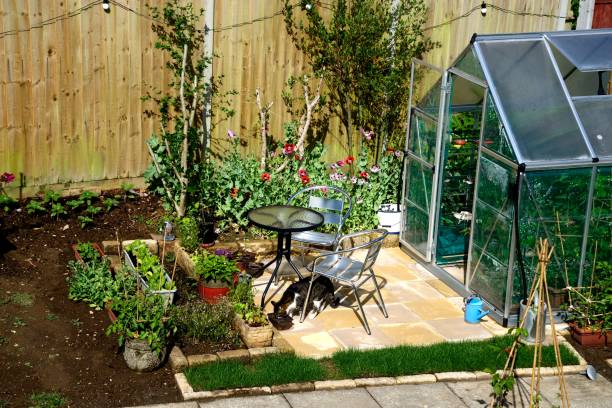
151	273
250	320
390	217
215	274
143	328
590	318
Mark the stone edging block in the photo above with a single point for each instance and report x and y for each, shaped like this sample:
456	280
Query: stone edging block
455	376
334	385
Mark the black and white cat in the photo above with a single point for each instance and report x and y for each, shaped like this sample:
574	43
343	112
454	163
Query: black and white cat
292	301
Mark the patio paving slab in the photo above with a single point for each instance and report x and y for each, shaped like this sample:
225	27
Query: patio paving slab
409	396
458	329
316	344
356	398
441	287
434	309
358	338
417	333
263	401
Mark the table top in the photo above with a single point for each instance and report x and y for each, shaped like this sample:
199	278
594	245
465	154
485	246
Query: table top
285	218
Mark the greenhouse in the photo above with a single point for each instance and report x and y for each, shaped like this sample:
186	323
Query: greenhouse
512	143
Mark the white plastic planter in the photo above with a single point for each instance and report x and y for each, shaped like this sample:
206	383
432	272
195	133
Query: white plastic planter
390	217
167	295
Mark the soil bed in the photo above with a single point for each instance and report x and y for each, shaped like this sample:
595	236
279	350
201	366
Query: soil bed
54	344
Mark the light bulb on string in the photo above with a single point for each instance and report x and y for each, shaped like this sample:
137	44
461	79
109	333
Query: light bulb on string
106	6
483	9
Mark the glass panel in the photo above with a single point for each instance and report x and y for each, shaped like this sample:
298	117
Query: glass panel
426	89
494	134
600	228
588	52
579	83
469	64
553	206
422	141
596	115
489	278
419	180
495	183
460	151
416	228
532	97
492	231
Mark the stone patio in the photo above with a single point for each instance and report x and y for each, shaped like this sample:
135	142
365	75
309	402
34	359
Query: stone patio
422	310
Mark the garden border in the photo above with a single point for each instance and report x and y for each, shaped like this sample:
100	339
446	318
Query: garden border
188	393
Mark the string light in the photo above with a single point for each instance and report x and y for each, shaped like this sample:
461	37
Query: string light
106	6
483	9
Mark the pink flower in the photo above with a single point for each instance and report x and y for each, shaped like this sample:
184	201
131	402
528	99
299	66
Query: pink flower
288	148
230	134
7	177
367	134
398	153
265	177
302	173
333	166
375	169
340	163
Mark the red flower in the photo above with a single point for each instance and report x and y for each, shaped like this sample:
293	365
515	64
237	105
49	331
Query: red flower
349	160
460	142
7	177
297	157
364	174
390	149
302	173
265	177
488	142
289	148
234	192
305	180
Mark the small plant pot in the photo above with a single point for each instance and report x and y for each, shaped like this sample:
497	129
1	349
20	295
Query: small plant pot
588	337
254	336
390	217
212	292
77	256
558	297
139	357
167	295
255	269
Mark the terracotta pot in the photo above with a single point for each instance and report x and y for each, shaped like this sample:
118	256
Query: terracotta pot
588	337
212	295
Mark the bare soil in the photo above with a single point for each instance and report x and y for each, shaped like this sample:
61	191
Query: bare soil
55	344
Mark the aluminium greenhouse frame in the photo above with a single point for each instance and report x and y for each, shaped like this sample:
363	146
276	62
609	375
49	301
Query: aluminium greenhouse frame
544	138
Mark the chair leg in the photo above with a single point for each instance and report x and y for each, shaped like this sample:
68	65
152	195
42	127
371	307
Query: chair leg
365	321
382	302
303	315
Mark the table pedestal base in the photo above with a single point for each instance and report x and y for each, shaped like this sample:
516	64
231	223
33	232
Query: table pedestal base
283	250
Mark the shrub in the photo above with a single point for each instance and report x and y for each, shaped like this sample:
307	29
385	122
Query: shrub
202	322
189	233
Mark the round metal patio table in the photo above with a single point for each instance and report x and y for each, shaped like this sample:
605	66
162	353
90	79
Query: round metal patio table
284	220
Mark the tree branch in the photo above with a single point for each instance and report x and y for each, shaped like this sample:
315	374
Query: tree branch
168	192
263	120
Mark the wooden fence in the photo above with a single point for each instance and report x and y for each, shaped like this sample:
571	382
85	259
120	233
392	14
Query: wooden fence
71	112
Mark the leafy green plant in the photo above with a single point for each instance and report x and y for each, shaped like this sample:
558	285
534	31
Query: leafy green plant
189	233
244	304
51	197
48	400
149	267
18	322
142	317
57	209
75	203
87	197
92	282
363	49
84	221
178	153
87	252
51	316
202	322
35	206
92	210
110	203
7	202
214	268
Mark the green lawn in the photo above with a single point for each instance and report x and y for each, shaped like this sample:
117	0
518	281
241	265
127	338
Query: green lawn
394	361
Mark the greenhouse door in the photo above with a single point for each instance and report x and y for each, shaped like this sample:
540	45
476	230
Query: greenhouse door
458	164
422	153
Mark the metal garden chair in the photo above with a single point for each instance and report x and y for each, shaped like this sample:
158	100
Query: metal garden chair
335	211
340	267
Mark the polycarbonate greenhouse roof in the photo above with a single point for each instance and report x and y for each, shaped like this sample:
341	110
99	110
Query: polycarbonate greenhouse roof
550	91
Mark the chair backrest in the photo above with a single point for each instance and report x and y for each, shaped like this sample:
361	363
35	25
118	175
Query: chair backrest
335	211
374	245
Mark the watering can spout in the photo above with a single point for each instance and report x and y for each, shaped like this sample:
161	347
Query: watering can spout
483	314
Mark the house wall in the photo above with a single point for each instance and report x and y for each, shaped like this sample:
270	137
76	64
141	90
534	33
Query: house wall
71	113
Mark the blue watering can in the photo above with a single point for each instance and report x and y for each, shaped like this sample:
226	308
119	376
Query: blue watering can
473	309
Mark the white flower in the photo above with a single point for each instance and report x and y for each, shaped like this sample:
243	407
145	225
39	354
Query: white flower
353	179
375	169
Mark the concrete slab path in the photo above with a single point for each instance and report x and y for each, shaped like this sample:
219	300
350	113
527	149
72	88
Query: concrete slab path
583	393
